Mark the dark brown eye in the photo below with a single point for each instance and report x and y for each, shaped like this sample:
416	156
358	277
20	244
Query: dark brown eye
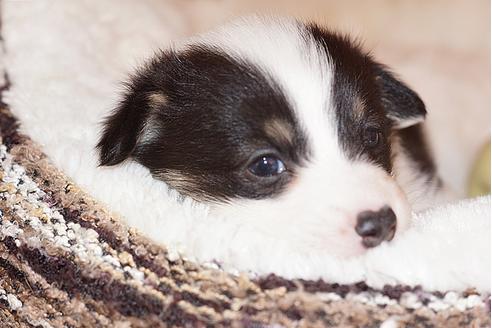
372	137
267	166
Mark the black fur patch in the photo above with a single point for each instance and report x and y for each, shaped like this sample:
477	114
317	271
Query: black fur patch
354	85
399	101
367	96
202	137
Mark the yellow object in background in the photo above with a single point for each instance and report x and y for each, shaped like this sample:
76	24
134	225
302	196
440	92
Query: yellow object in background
479	183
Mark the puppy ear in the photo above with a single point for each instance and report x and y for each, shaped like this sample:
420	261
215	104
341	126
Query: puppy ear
403	105
122	128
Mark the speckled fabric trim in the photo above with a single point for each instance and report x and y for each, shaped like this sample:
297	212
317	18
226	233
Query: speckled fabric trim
66	261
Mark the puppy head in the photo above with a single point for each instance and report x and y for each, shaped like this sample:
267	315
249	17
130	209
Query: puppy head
283	126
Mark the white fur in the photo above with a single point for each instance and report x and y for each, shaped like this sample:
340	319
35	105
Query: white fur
62	89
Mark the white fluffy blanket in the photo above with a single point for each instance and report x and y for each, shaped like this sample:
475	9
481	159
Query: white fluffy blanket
65	61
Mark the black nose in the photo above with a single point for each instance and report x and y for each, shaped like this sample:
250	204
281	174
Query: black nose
374	227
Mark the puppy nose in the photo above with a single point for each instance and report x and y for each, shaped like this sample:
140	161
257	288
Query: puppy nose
374	227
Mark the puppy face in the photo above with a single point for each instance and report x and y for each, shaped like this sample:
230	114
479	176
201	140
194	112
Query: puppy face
284	127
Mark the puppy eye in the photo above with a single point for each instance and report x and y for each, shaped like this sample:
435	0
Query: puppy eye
267	166
372	137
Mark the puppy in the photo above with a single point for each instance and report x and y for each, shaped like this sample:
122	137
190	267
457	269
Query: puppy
284	128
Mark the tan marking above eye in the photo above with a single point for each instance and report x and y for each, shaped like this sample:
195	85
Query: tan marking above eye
156	100
279	130
359	107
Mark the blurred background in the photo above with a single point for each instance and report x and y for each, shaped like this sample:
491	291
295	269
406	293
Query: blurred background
440	47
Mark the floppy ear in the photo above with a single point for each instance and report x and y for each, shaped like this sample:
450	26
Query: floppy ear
403	105
122	128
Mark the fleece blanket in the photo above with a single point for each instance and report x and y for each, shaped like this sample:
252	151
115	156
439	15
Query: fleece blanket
69	261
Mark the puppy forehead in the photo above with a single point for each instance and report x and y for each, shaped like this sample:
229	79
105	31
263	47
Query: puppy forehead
285	50
310	67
